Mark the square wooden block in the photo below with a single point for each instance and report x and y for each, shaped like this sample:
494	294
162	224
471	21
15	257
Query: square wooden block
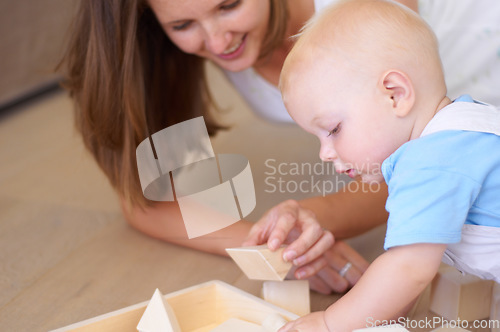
454	295
260	263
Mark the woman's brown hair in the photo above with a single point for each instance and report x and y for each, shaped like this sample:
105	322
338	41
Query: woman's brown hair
128	81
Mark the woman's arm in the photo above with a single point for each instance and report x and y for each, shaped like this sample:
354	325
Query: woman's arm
163	221
346	214
352	211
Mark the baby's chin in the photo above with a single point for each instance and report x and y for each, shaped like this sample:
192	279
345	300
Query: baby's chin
372	178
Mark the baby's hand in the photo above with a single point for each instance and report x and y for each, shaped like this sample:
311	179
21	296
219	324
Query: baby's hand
314	322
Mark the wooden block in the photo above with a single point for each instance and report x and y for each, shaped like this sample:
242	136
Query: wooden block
393	328
273	323
495	308
159	316
292	295
235	324
260	263
454	295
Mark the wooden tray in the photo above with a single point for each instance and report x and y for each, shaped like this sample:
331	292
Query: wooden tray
198	308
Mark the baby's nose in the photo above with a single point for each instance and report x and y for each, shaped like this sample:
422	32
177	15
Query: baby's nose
327	153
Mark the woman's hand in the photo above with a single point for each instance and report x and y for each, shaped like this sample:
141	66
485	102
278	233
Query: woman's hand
344	267
291	224
310	248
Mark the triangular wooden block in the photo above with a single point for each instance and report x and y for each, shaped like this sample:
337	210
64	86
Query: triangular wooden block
259	262
159	316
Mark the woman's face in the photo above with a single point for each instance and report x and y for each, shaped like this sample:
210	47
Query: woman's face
228	32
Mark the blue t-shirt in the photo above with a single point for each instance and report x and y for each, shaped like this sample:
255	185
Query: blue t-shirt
438	183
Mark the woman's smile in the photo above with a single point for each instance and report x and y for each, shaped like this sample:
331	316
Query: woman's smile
235	51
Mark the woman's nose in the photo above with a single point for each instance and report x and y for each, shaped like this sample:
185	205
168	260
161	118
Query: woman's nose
217	39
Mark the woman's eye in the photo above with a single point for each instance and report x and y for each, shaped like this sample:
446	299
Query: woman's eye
230	5
334	131
181	26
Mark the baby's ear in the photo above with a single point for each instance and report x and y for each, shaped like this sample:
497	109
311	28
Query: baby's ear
398	88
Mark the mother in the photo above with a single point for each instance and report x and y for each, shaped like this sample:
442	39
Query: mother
135	67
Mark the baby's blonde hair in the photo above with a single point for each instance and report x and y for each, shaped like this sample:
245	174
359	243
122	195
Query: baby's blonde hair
373	36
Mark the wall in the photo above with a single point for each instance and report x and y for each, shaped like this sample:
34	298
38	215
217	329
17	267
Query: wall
32	35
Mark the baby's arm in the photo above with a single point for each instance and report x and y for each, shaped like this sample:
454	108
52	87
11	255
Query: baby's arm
389	285
391	282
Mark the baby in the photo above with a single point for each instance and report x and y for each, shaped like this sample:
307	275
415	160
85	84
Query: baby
365	77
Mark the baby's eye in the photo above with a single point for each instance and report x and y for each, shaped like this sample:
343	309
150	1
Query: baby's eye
231	5
182	26
334	131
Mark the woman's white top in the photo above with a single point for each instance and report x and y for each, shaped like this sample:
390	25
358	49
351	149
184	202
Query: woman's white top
469	35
